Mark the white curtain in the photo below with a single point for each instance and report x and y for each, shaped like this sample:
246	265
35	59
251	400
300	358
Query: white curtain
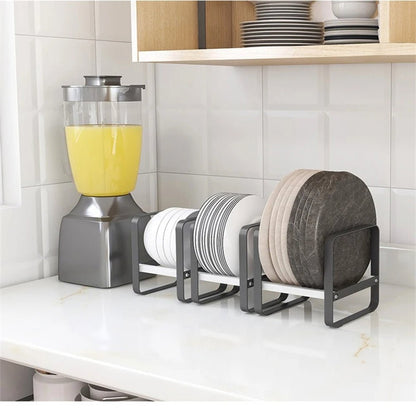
9	132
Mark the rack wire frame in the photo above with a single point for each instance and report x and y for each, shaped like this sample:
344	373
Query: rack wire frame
258	283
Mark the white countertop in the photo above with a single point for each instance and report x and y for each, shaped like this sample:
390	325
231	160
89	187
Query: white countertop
156	347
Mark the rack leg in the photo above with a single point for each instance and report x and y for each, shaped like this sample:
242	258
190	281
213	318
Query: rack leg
217	294
182	227
275	305
138	224
373	283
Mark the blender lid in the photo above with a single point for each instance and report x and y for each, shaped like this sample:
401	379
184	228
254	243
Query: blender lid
102	88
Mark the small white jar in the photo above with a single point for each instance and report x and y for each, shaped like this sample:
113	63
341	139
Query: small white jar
53	387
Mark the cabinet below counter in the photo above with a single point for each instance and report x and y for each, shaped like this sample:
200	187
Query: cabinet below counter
158	348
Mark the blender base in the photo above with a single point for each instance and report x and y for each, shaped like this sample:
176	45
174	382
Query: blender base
95	242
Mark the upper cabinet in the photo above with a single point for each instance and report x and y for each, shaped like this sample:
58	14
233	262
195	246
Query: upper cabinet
200	32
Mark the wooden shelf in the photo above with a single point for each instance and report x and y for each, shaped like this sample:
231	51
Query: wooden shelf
288	55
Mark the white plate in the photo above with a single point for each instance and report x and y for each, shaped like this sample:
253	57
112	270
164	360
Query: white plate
248	210
278	22
150	234
211	229
281	32
351	22
182	214
161	236
373	32
282	222
347	41
220	239
281	43
201	236
281	37
198	229
209	232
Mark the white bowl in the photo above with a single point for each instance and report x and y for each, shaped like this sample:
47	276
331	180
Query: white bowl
354	9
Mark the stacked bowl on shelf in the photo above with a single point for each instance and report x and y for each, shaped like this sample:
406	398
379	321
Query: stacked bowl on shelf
354	24
281	23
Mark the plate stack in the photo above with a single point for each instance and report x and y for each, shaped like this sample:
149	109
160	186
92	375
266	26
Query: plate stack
217	228
302	211
349	30
281	23
160	236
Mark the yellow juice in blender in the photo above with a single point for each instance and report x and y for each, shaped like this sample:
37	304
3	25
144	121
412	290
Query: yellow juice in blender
104	158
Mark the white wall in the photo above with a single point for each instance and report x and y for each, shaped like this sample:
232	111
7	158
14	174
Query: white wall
57	43
242	129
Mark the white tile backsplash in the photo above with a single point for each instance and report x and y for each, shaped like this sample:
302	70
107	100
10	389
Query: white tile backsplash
235	143
57	201
174	189
293	86
24	17
78	21
381	197
359	142
112	19
53	154
360	85
21	240
114	58
234	88
61	62
145	193
403	216
403	134
181	87
293	140
182	141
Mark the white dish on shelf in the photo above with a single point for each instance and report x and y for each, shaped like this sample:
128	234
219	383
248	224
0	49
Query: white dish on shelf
369	32
349	41
282	37
354	9
280	22
281	43
351	22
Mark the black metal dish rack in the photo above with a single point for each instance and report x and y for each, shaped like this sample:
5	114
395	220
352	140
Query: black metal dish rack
257	284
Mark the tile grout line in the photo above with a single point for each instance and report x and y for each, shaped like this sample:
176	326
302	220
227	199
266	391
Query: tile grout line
390	148
71	38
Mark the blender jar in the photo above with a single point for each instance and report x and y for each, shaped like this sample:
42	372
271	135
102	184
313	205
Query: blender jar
103	129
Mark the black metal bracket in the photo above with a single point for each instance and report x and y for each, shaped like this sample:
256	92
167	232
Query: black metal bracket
138	225
219	293
331	295
182	227
275	305
246	281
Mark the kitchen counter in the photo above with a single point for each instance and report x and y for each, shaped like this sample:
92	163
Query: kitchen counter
158	348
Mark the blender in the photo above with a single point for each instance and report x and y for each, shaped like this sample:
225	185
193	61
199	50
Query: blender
103	131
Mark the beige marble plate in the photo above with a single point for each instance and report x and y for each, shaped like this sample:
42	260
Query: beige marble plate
264	249
286	181
282	222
